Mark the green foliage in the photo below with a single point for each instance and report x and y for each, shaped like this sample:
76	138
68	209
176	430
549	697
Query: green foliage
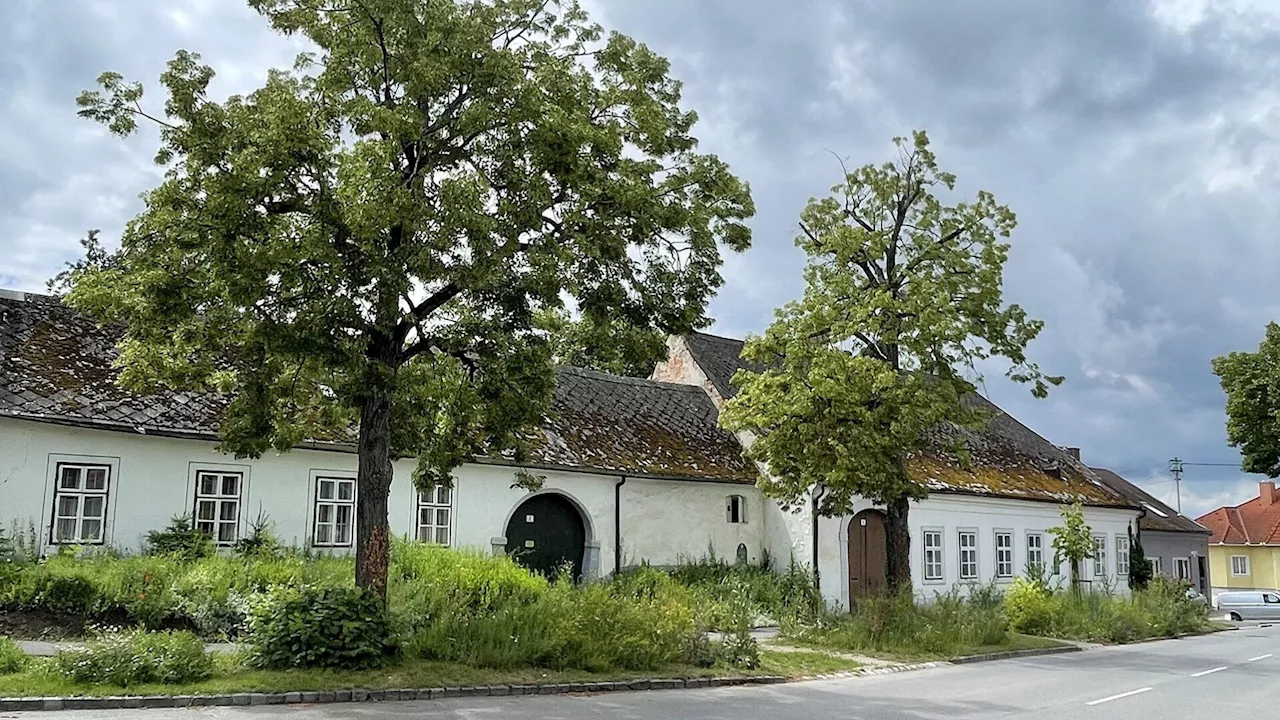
1140	572
312	627
902	295
1252	384
1161	610
1029	607
607	345
1072	541
370	234
261	541
182	539
135	658
739	649
773	599
12	659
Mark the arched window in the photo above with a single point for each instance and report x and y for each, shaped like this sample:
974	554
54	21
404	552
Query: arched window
742	554
736	509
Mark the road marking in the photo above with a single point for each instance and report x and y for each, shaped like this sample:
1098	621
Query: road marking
1260	657
1202	673
1139	691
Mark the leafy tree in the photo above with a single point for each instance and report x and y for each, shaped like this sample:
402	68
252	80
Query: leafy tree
1072	541
1252	384
604	344
1140	572
355	252
903	292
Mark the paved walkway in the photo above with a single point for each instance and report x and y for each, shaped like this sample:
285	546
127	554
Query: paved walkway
41	648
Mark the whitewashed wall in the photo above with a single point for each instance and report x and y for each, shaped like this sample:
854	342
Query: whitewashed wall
152	479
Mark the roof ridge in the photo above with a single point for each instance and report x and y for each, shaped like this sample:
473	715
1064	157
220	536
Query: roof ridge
625	380
713	336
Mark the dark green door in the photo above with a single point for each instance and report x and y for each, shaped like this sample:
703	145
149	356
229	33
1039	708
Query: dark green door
545	533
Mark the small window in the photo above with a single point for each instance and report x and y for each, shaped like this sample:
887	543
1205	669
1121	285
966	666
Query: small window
1099	555
1270	599
80	504
1122	555
932	555
1155	565
742	556
217	510
435	515
736	509
335	512
1035	552
1004	554
968	555
1182	568
1239	564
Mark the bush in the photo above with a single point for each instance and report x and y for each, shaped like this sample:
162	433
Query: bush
1162	610
1030	608
181	539
310	627
63	594
785	599
12	659
137	657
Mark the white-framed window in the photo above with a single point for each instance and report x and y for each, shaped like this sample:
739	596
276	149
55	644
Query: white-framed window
217	508
736	509
932	555
1182	568
335	513
1155	565
435	515
1035	552
1004	554
1239	564
1122	555
968	555
80	504
1099	555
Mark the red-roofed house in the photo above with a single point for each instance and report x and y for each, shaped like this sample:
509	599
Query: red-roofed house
1244	550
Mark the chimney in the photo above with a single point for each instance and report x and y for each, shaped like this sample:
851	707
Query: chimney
1074	452
1267	492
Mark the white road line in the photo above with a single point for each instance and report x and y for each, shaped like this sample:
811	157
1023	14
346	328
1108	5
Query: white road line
1260	657
1139	691
1202	673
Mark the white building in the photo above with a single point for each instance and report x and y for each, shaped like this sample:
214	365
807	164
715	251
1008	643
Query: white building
634	470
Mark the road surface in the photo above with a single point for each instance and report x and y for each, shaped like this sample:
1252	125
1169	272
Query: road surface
1227	676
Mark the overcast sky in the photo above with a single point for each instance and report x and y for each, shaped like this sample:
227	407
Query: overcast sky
1137	143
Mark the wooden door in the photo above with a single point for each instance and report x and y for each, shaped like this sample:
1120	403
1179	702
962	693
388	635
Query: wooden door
546	533
867	554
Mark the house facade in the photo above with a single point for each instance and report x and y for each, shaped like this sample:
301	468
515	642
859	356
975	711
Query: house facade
1175	545
1244	548
985	523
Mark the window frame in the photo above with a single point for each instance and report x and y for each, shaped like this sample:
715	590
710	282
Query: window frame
940	550
1155	564
81	493
435	505
1008	536
218	499
1099	556
735	510
1039	536
1178	564
336	503
1247	566
961	533
1127	554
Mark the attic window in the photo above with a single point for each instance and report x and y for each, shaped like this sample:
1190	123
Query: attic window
1157	511
736	509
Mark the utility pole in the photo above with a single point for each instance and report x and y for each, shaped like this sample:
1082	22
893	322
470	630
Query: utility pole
1175	466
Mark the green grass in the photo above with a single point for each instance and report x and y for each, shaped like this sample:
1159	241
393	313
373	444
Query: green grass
231	677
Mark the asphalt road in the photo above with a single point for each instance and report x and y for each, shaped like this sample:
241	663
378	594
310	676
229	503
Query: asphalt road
1226	676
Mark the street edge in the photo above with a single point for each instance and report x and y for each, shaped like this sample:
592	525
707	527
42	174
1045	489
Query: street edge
1015	654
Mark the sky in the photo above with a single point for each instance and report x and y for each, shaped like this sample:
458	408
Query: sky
1136	141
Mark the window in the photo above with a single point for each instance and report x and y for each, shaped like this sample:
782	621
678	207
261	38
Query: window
80	503
1239	564
1004	554
736	509
968	555
218	505
335	511
1271	599
1122	555
1035	552
1099	555
742	557
1182	568
435	513
932	554
1155	565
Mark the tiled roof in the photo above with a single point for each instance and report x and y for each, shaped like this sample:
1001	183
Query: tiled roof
1159	517
56	366
1253	523
1007	459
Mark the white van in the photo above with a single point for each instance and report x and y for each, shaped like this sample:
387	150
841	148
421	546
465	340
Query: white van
1263	605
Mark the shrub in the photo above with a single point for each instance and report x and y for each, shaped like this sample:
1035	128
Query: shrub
786	599
1030	607
136	657
63	594
12	658
896	623
260	542
739	649
181	539
333	627
1162	610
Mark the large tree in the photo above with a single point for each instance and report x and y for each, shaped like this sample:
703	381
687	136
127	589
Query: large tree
607	345
1252	384
357	250
902	298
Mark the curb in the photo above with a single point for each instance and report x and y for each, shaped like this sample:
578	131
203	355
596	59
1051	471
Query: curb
1014	654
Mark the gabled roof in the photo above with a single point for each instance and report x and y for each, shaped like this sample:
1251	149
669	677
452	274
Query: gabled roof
1252	523
56	366
1159	517
1007	459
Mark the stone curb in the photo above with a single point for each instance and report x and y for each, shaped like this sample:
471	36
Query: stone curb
342	696
1013	654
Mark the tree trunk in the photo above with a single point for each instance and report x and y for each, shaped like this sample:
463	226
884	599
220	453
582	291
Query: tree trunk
373	485
898	545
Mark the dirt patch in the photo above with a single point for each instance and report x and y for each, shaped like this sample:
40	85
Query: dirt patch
51	626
